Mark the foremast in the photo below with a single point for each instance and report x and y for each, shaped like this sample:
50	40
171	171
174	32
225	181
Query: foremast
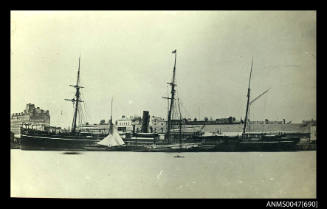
76	100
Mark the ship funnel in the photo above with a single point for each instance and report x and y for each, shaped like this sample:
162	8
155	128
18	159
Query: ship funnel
145	122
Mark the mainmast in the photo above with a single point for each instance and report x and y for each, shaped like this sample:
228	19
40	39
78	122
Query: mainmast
76	100
248	101
172	98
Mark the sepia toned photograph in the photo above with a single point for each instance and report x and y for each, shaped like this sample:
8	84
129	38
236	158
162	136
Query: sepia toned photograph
163	104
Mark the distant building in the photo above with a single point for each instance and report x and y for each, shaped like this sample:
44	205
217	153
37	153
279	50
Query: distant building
157	124
228	120
134	123
98	129
126	124
32	117
266	121
206	121
129	124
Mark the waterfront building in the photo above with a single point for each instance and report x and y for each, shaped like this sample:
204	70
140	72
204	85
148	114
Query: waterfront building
228	120
101	128
206	121
129	124
32	117
157	124
134	124
126	124
266	121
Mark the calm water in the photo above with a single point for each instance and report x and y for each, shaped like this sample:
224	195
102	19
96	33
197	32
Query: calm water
160	175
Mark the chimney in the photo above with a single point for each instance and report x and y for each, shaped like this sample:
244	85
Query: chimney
145	122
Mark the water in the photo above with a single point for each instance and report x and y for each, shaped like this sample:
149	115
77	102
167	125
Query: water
161	175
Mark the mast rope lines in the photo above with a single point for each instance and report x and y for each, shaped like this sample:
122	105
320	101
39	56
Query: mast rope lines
255	99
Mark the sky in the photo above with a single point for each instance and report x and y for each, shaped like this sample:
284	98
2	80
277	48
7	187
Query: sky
126	55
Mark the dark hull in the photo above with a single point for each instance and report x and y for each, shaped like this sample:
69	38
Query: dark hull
259	144
255	147
207	144
30	142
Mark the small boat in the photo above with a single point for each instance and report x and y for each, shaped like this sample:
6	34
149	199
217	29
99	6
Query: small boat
112	142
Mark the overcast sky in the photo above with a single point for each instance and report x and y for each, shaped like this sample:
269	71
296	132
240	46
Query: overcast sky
127	55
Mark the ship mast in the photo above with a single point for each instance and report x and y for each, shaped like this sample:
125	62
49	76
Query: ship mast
180	125
76	100
110	122
172	98
248	101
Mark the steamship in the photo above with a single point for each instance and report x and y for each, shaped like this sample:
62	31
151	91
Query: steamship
196	140
178	140
49	139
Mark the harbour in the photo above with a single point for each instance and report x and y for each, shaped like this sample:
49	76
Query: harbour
176	138
53	174
163	104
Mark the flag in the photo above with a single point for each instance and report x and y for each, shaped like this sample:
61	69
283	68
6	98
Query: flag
174	51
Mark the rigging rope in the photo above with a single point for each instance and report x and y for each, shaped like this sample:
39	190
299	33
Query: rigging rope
264	112
250	116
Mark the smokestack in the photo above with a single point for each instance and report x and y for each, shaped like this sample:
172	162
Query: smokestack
145	122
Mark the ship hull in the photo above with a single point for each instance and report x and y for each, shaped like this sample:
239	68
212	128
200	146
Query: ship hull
255	144
32	142
255	147
250	144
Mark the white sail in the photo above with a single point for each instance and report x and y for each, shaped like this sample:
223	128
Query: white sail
113	139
